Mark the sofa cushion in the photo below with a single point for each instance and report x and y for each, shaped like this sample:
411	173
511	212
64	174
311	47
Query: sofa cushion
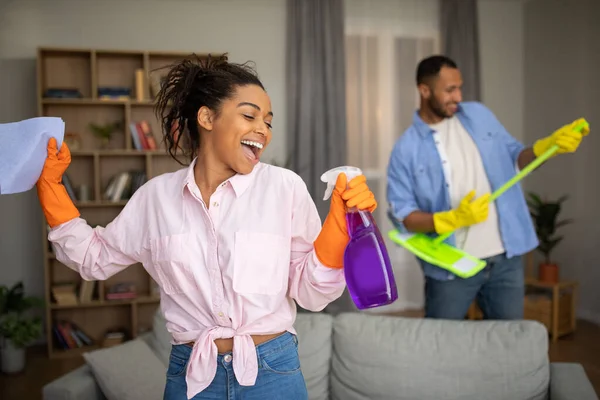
130	371
314	350
377	357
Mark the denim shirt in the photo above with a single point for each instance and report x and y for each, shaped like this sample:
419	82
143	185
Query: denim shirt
417	179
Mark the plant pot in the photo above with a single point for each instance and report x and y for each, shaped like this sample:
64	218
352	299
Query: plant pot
104	143
548	273
12	358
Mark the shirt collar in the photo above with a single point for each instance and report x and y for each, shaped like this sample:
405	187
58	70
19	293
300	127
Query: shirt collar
238	182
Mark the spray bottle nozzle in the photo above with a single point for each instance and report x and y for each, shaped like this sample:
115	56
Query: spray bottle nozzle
330	177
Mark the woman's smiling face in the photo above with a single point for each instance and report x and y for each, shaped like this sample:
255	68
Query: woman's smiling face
241	129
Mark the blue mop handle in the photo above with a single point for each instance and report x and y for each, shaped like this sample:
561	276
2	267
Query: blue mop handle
515	179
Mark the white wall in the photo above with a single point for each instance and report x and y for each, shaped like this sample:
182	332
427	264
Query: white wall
562	54
501	52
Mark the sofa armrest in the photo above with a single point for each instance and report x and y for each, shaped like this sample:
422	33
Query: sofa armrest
75	385
568	381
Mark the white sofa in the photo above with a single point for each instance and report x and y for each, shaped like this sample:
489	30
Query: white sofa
360	356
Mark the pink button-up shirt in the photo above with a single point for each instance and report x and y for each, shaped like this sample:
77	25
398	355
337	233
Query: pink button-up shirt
227	271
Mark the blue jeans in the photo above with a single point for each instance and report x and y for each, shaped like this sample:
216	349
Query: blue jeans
279	374
499	290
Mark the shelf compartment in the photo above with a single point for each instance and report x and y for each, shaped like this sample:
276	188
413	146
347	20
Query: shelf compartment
77	123
65	69
111	168
135	274
94	322
99	216
162	165
115	69
60	273
145	317
80	173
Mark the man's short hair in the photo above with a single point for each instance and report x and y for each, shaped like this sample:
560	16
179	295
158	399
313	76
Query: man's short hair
430	67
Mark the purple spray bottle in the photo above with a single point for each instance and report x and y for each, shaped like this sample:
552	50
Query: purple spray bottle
367	266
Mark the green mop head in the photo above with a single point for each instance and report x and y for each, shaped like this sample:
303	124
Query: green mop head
439	254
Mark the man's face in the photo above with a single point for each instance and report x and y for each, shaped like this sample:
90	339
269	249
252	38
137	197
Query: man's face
443	93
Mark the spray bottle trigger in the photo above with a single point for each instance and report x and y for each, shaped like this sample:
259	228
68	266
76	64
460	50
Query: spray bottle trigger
330	177
328	191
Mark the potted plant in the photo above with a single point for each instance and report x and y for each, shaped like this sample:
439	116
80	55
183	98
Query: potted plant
545	216
17	329
104	132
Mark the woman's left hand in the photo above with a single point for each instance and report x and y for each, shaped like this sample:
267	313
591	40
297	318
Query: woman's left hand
331	242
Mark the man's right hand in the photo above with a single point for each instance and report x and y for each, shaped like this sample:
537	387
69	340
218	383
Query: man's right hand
468	212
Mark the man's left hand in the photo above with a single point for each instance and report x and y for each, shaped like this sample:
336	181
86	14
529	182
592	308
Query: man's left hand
566	138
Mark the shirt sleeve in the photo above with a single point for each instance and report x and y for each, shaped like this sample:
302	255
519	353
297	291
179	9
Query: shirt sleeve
101	252
311	284
400	191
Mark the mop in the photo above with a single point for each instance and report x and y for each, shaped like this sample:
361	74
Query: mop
443	255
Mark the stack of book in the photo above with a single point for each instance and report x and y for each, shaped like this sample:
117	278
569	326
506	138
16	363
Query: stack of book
69	336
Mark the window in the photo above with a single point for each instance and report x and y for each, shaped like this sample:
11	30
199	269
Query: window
381	98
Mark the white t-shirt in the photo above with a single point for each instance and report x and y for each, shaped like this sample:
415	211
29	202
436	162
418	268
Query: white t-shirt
465	172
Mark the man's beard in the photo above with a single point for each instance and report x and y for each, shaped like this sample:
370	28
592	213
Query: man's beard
437	108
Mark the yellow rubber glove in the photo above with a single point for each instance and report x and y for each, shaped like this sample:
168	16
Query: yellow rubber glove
56	203
331	242
566	138
468	212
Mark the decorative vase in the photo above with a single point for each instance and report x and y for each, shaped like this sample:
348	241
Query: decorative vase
548	273
12	358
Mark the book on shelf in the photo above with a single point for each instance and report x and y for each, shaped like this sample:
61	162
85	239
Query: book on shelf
123	185
142	135
69	293
64	294
86	291
69	187
113	338
69	336
121	291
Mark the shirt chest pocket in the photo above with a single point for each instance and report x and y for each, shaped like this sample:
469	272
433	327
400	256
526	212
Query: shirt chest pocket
172	263
429	179
260	263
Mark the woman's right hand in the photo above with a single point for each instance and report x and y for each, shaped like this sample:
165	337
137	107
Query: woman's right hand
56	163
54	199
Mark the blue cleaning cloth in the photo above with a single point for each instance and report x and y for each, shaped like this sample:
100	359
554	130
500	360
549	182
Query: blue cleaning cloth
23	151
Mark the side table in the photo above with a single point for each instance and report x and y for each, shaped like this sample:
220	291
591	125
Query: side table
552	304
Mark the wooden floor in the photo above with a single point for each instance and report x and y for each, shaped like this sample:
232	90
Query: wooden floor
582	347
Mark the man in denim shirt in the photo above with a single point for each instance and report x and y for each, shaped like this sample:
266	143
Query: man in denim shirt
440	176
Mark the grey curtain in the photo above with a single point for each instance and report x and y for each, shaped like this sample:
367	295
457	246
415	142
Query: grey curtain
316	102
460	41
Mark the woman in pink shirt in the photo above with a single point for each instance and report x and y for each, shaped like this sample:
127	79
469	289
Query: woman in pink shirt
231	242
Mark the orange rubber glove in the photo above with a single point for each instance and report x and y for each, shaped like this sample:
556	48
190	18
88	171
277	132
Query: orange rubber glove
56	203
331	242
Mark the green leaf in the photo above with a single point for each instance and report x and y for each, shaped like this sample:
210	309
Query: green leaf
535	199
562	198
564	222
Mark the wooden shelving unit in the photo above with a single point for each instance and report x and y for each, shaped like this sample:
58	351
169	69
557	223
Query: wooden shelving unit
93	165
